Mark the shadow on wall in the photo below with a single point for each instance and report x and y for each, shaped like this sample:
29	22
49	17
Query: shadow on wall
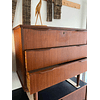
84	13
13	62
13	54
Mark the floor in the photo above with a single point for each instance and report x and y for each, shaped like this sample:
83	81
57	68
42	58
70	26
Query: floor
19	94
54	92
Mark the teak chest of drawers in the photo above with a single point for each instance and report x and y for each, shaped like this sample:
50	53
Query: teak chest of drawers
46	56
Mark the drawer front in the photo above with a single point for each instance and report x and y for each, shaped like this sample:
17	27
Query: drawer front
42	79
77	95
33	39
36	59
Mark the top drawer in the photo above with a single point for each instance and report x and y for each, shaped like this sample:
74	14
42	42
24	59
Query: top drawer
42	38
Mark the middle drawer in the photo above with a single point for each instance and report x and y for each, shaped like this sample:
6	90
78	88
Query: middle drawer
36	59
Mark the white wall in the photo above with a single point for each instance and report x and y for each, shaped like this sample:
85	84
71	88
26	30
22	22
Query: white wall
71	17
17	20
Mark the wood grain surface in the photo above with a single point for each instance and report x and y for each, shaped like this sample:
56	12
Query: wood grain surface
46	46
36	59
42	79
20	62
34	39
77	95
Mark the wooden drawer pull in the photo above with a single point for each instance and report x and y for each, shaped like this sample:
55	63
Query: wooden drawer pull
46	71
80	45
82	60
44	49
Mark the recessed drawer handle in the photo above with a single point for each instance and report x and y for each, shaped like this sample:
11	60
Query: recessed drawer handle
80	45
82	60
46	71
44	49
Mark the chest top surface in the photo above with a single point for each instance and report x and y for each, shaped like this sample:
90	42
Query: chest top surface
48	28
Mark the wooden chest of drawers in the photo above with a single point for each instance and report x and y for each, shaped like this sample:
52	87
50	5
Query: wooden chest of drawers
46	56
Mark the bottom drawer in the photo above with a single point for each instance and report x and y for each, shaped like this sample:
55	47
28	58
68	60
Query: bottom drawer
76	95
40	79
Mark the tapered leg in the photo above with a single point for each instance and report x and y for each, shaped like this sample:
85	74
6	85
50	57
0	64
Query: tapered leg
86	94
78	79
36	19
36	96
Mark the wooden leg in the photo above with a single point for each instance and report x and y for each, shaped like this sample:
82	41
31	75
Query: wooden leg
86	94
78	80
36	96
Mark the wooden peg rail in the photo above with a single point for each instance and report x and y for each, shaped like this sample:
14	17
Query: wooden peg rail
69	4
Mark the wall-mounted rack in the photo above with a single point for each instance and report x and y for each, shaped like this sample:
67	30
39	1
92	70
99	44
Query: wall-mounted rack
69	4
